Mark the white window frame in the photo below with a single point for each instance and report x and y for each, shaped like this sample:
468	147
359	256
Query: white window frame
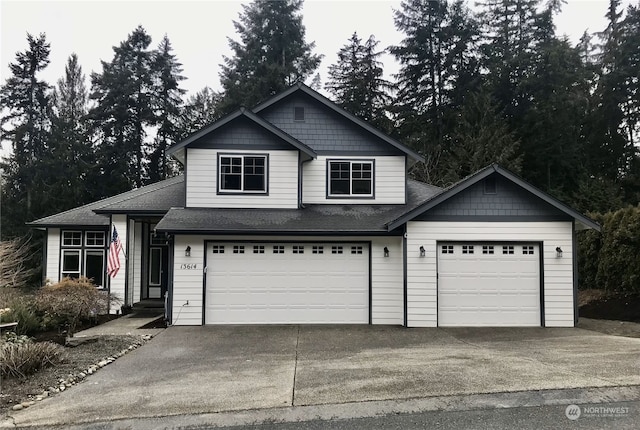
66	273
351	194
84	268
82	249
160	268
242	174
100	245
72	232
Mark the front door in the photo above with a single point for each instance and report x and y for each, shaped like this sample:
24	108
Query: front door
157	265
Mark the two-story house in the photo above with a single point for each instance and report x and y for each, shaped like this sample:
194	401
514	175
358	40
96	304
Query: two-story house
296	211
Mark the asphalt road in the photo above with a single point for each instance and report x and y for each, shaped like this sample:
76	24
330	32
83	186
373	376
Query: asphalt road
618	416
525	418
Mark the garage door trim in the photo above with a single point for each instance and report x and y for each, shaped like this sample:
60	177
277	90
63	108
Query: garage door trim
492	242
207	242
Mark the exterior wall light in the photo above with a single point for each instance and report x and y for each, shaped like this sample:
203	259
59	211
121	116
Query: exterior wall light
558	252
187	252
386	251
422	251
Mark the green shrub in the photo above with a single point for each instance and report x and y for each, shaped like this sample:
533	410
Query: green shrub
71	301
23	311
610	260
12	337
22	359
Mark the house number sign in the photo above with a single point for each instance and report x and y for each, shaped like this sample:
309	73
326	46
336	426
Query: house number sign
191	266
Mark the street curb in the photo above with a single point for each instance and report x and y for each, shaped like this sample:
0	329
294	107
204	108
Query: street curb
345	411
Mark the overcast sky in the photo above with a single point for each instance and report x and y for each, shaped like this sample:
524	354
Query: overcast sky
198	30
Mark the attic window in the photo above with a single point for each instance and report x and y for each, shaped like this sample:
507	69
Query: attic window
490	186
298	113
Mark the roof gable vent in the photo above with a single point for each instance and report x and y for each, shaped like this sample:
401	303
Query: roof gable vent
298	113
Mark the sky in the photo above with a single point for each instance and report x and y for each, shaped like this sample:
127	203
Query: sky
198	30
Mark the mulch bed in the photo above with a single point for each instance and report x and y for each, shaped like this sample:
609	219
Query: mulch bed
620	306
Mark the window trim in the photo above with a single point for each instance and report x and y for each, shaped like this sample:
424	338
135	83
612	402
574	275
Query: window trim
82	249
351	162
95	250
242	191
104	239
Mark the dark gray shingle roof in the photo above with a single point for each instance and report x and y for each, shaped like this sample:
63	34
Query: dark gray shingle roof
312	219
154	198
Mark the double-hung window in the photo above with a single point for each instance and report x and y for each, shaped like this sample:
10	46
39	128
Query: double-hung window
242	174
83	254
350	178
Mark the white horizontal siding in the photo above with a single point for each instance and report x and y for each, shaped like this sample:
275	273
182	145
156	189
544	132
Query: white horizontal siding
387	296
202	177
389	182
387	286
52	272
422	308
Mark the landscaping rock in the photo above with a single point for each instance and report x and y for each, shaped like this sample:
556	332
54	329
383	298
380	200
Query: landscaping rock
17	407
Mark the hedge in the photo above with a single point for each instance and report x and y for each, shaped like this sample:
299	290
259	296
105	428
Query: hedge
610	260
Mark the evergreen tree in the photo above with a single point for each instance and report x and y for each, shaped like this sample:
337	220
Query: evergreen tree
71	164
480	137
272	54
124	95
438	67
167	104
200	110
510	36
357	84
25	122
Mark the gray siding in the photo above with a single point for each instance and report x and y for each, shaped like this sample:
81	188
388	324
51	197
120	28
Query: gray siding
241	134
323	130
509	202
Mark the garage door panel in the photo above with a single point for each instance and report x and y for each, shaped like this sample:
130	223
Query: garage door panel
282	288
488	289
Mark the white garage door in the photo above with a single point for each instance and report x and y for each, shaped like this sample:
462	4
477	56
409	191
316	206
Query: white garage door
488	284
282	283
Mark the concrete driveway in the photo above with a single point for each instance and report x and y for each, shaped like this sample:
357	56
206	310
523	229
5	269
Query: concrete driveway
191	370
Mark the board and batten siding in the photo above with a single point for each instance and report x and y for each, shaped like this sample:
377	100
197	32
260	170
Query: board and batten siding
117	284
53	255
202	178
389	185
386	282
422	282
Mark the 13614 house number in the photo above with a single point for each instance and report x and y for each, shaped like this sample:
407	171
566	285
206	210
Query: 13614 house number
191	266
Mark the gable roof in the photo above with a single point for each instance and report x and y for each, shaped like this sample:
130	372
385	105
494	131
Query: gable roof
312	219
300	87
242	112
152	199
467	182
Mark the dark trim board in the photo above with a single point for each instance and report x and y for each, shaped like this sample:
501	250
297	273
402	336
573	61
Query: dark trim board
280	233
370	284
541	262
405	291
574	249
206	268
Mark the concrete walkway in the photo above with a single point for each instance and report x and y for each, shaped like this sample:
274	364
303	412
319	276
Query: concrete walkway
126	325
199	370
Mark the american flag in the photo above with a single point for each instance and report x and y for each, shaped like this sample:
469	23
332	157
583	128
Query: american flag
113	261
